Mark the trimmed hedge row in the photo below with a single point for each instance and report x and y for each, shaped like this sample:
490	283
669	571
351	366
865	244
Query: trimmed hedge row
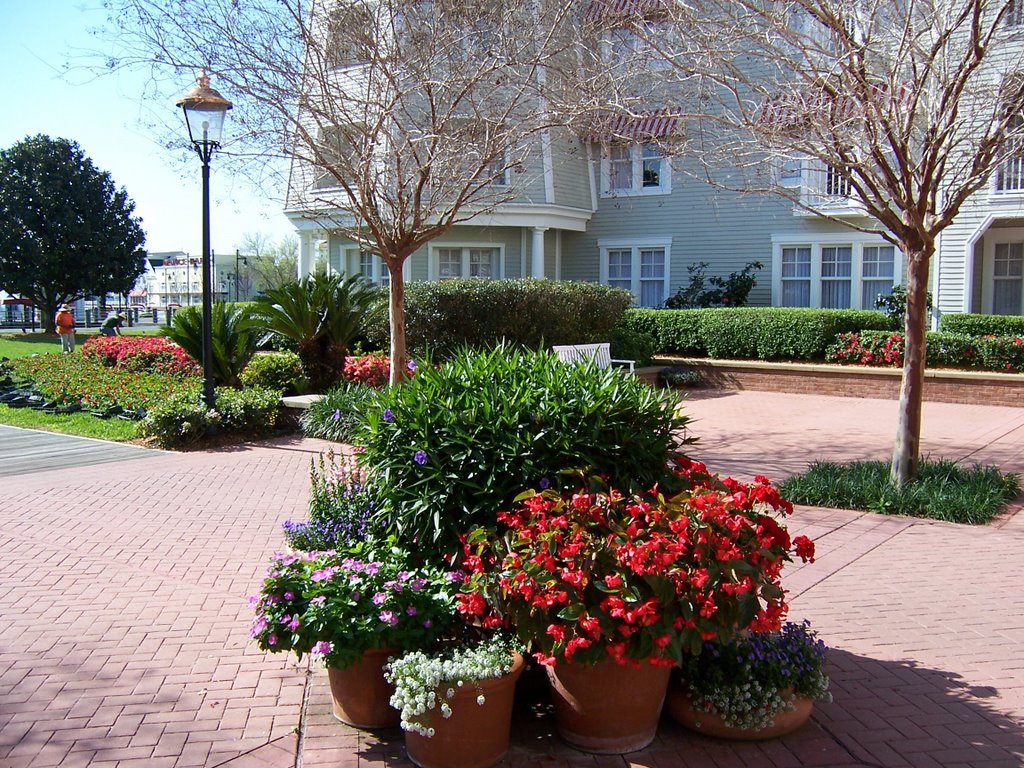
762	333
982	325
443	316
942	350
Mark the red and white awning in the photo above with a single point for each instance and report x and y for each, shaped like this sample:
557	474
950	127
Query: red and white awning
805	106
644	126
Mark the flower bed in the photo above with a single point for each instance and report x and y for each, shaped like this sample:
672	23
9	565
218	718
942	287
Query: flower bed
140	353
946	350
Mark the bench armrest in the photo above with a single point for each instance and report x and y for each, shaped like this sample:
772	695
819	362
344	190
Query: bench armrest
625	363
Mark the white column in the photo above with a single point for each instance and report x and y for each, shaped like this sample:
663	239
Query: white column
307	254
537	252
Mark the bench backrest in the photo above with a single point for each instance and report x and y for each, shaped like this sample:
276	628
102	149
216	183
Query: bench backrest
582	353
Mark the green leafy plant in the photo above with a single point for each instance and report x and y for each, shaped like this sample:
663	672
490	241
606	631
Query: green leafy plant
425	682
252	410
678	376
731	291
340	413
322	315
943	490
982	325
233	333
280	371
942	350
751	678
628	344
453	445
894	304
179	419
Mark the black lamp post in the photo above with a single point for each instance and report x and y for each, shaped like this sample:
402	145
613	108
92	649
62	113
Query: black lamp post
204	110
240	258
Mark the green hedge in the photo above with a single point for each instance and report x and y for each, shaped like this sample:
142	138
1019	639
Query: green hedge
762	333
982	325
443	316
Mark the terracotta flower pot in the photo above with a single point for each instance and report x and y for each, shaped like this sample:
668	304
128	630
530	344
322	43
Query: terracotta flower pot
608	708
680	707
475	736
360	693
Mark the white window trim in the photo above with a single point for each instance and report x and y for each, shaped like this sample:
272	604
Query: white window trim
988	267
638	189
636	245
434	264
350	265
857	240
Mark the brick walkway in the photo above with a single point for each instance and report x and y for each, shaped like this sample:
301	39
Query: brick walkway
124	631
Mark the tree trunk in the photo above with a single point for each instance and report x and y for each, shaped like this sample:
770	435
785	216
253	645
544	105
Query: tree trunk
906	453
396	313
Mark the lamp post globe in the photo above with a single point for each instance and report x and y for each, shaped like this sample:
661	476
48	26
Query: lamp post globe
205	110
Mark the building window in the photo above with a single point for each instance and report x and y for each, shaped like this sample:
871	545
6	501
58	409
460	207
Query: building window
641	270
836	185
1008	279
467	261
373	269
497	172
1010	175
1014	14
635	169
836	271
789	172
796	276
878	268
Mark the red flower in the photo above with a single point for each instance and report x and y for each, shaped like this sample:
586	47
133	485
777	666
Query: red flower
804	548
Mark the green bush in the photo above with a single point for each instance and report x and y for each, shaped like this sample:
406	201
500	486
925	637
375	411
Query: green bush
337	415
982	325
252	410
449	448
443	316
675	332
280	371
756	333
942	350
178	420
233	331
628	344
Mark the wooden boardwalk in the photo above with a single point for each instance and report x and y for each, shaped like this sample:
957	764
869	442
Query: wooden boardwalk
29	450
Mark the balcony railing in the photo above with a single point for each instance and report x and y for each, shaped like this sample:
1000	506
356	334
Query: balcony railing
826	190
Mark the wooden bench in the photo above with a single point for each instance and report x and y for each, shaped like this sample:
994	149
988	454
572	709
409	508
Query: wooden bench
601	354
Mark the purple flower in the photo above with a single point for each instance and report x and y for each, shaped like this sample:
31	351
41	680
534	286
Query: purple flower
322	647
253	601
337	414
370	569
379	598
411	366
410	610
389	617
318	600
417	584
428	623
294	623
289	595
388	416
420	457
271	639
544	483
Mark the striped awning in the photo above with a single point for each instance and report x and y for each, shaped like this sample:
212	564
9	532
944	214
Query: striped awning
658	124
602	10
801	107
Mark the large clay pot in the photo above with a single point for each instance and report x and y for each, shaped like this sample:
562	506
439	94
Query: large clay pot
680	707
608	708
475	736
360	694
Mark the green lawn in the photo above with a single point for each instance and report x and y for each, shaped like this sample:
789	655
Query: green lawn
81	424
22	344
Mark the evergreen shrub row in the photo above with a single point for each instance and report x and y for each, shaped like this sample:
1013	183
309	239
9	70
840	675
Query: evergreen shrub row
982	325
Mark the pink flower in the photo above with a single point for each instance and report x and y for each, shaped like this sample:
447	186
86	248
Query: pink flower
389	617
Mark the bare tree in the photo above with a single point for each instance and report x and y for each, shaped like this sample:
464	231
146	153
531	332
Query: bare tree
269	265
399	119
903	107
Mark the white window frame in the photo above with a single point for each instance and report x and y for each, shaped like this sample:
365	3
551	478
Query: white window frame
636	48
434	260
992	239
636	159
636	246
857	241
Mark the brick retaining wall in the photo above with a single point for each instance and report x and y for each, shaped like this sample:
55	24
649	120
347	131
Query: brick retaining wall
942	386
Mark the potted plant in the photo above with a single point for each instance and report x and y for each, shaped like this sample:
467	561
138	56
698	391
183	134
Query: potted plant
456	703
610	589
759	685
354	608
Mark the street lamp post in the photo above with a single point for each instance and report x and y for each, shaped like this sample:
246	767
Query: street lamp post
239	258
204	110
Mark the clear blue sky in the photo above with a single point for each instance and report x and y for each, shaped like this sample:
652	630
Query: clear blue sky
111	120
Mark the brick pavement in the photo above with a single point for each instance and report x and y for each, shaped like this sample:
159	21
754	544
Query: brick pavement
124	632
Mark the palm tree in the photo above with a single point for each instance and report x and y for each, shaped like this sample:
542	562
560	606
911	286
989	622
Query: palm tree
321	314
234	332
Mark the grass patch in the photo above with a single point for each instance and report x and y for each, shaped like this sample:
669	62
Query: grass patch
24	344
81	424
943	490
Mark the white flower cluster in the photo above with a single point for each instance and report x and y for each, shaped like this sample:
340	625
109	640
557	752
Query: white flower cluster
746	705
424	682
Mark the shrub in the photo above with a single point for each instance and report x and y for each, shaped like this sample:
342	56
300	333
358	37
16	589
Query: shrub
178	420
443	316
942	350
279	371
628	344
943	490
151	354
252	410
678	376
982	325
370	370
233	332
339	413
895	306
674	331
731	291
450	447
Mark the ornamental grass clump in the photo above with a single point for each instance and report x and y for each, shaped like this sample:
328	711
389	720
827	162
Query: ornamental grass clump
426	683
338	604
589	573
750	679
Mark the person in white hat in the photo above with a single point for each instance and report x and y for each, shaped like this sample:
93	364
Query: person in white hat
65	321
